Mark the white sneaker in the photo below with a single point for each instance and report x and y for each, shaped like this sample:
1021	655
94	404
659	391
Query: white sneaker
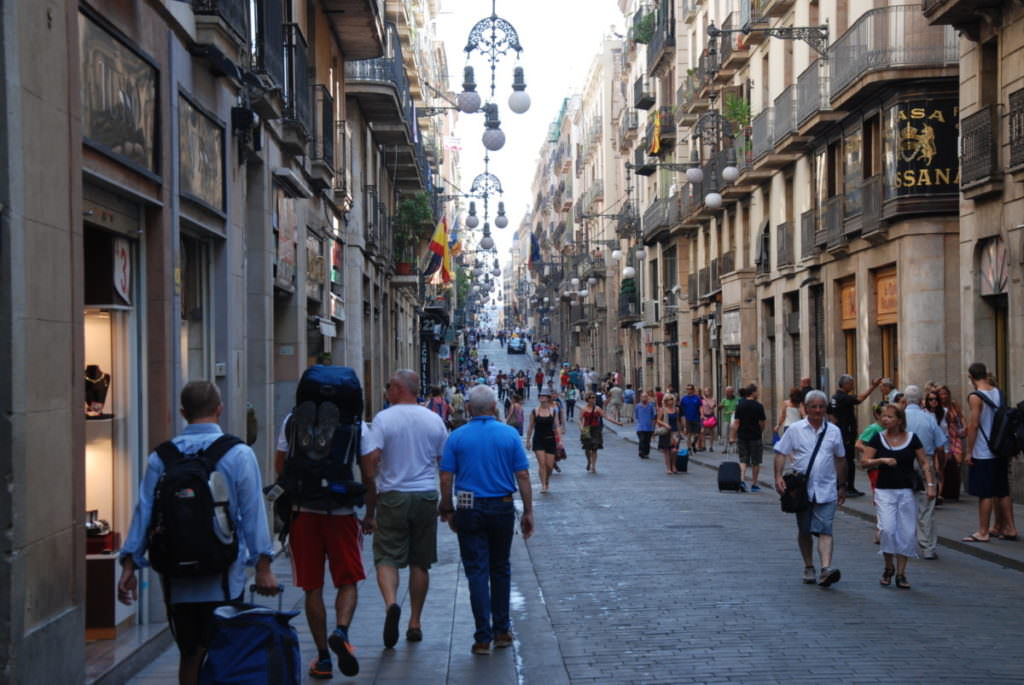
810	577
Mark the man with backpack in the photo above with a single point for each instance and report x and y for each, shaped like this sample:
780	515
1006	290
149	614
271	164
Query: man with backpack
403	447
990	444
317	447
207	476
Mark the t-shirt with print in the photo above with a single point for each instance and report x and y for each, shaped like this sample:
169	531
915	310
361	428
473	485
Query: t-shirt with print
749	413
410	438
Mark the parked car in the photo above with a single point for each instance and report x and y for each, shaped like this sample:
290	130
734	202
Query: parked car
516	346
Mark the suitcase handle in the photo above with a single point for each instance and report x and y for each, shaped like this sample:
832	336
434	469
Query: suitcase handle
279	593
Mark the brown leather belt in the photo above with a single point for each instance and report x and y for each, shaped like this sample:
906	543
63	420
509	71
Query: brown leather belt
506	498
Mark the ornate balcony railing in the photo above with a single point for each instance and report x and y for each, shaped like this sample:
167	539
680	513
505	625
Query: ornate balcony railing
979	160
297	105
390	69
783	245
808	227
1016	128
812	91
763	133
323	128
785	114
832	221
663	39
890	38
270	38
727	262
629	305
643	94
656	217
232	12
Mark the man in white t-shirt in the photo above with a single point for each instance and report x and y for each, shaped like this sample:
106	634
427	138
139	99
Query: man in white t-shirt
404	446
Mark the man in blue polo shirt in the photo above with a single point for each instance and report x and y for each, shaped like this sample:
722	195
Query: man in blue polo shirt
644	414
691	404
485	460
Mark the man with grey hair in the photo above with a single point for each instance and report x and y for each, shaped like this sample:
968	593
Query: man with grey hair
934	440
402	449
815	448
483	462
842	411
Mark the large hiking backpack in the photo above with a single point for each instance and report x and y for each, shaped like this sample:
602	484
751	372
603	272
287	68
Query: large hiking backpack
1004	440
192	533
324	439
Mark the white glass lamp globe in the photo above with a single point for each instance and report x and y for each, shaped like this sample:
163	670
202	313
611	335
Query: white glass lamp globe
641	253
487	242
496	272
694	174
494	139
547	300
616	255
592	281
519	101
575	282
583	293
501	221
472	221
468	101
730	174
629	272
713	200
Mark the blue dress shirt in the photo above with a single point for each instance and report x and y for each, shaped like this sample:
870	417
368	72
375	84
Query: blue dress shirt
644	415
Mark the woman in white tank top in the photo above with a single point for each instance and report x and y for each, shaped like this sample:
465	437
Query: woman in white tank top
790	412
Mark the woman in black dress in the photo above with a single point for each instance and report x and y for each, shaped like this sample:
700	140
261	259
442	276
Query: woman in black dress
542	437
893	452
668	418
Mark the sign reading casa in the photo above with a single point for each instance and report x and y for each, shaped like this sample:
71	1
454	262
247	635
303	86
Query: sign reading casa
920	144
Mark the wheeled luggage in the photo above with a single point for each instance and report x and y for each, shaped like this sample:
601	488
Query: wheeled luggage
729	476
682	459
253	645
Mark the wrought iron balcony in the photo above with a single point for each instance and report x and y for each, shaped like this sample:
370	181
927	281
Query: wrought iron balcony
628	222
808	227
382	90
358	26
643	167
656	218
785	114
812	91
662	44
703	282
727	262
629	307
323	128
269	39
980	154
666	133
688	97
871	199
1017	129
888	38
763	133
831	226
691	290
297	105
783	245
231	12
643	94
594	195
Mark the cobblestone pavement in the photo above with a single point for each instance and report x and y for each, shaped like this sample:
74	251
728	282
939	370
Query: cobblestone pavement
634	576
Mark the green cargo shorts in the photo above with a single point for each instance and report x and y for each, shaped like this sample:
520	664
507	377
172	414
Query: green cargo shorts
406	529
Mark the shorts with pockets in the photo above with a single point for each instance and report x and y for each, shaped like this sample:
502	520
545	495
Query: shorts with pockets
314	537
988	478
406	529
817	519
750	451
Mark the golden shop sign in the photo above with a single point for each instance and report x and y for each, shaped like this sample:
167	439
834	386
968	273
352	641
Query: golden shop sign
920	148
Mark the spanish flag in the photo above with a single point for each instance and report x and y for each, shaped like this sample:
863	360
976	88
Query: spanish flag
654	145
440	267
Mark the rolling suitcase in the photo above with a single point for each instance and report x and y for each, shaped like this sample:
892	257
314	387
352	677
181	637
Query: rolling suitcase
951	481
682	459
729	476
253	645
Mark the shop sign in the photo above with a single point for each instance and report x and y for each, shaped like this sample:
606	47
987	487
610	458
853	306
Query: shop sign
123	269
284	276
337	307
424	365
200	155
315	263
731	328
848	305
119	96
887	297
920	140
444	352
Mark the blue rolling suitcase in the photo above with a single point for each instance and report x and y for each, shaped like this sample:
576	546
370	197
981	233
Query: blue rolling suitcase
253	645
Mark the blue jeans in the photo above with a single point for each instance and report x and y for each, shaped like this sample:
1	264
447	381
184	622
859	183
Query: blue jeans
485	541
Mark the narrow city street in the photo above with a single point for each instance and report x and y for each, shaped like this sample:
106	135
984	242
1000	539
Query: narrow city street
634	576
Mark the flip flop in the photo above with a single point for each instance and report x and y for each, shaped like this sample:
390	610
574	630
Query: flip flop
1007	537
972	538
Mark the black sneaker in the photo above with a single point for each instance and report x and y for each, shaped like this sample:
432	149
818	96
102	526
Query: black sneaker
829	576
854	492
339	644
391	625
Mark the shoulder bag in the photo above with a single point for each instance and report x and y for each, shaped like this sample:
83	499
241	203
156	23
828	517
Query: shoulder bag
795	499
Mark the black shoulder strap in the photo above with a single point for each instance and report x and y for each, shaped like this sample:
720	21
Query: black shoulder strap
168	453
986	400
217	449
817	446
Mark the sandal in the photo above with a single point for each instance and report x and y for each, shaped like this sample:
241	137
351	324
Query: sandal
901	582
886	578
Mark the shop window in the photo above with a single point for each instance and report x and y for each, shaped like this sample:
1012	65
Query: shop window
887	316
890	352
850	351
195	332
848	324
993	272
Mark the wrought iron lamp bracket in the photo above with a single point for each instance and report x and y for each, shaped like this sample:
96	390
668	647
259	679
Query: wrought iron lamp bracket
815	36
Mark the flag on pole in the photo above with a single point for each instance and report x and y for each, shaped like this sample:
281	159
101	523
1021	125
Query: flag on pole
440	267
655	144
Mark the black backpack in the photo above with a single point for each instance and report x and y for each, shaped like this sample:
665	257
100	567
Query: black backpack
185	540
324	440
1005	439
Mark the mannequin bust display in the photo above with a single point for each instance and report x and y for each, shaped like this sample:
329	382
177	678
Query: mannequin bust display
96	385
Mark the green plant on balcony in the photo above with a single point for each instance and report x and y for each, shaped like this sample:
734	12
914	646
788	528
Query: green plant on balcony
413	223
736	111
643	29
628	286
